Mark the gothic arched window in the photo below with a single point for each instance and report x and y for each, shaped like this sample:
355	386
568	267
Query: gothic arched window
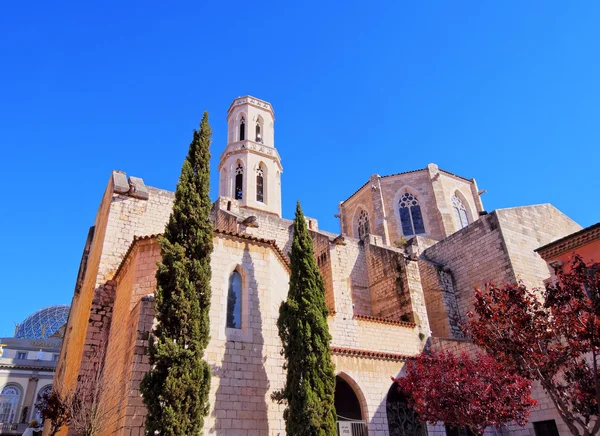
258	133
410	215
239	182
242	129
260	183
460	212
9	402
234	301
363	224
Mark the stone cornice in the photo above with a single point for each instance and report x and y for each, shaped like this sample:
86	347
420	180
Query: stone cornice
381	320
248	146
256	102
368	354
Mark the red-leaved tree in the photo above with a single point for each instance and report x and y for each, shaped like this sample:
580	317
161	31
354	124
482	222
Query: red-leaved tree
551	335
459	390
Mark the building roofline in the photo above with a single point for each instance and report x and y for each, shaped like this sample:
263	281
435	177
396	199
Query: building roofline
271	242
570	242
408	172
254	102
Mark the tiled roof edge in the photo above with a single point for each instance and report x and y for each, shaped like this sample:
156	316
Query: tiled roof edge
270	242
381	320
382	355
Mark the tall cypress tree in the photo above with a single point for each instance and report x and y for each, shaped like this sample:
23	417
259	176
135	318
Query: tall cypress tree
176	388
310	382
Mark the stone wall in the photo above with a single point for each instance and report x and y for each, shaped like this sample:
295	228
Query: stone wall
527	228
128	208
474	255
389	297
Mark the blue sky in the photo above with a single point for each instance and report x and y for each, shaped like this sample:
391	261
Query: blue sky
506	92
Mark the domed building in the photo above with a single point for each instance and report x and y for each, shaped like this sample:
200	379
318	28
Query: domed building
27	364
44	323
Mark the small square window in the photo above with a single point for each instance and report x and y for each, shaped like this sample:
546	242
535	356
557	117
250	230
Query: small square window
545	428
55	357
21	355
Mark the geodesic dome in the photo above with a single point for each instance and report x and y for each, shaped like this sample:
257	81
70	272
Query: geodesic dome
43	323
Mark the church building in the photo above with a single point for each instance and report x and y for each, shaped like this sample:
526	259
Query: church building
399	277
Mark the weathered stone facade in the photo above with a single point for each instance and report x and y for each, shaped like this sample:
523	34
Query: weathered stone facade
391	293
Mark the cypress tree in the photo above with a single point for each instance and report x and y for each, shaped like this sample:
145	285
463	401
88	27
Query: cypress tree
176	388
310	382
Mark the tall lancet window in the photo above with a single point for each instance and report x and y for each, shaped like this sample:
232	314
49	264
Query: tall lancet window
242	129
239	181
234	301
260	184
363	224
258	133
410	215
460	212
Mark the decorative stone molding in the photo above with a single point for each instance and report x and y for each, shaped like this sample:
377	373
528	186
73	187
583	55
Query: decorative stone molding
351	352
137	188
381	320
120	184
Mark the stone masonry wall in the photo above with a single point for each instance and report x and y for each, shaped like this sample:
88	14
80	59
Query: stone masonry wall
389	298
135	280
67	369
475	255
128	208
321	246
527	228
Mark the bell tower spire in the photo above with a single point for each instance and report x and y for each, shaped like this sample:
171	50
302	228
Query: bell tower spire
250	167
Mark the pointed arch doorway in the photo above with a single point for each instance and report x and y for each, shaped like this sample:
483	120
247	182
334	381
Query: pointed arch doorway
350	416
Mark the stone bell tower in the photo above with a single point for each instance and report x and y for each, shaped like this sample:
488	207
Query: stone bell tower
250	167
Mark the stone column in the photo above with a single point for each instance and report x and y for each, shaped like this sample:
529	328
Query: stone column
379	224
29	399
446	218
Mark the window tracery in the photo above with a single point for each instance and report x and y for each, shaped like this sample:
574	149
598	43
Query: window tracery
363	224
460	212
411	217
239	180
242	129
260	183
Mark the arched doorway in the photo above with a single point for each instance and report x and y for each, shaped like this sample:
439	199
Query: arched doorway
402	420
347	407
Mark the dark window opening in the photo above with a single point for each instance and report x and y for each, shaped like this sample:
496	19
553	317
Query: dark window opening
239	180
452	430
259	185
545	428
242	129
346	402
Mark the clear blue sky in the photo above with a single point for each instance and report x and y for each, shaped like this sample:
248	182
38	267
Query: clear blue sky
506	92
